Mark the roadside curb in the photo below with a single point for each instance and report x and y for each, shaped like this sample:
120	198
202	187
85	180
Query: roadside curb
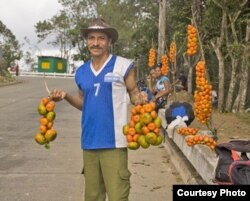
187	172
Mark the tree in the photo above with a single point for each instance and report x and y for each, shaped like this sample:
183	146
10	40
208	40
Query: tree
245	71
9	46
233	42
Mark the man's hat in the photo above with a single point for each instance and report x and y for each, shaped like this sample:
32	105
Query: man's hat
99	24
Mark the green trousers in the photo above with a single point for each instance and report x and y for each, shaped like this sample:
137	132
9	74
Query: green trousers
106	173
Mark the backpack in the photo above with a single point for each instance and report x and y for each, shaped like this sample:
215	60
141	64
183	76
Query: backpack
179	109
233	167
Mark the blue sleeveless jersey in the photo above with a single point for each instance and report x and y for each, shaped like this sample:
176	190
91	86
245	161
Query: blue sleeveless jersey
104	109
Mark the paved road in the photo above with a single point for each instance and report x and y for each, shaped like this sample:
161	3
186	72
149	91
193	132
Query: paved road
28	172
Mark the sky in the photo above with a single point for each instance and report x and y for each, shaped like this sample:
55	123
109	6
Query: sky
20	16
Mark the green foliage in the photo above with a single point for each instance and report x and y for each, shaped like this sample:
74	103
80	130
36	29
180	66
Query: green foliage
137	24
9	46
211	21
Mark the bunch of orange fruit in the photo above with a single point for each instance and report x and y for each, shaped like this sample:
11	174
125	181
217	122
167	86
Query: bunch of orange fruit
201	139
172	53
46	133
164	61
151	57
143	129
187	131
202	95
191	40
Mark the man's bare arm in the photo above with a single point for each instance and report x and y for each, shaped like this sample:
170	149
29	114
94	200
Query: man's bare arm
76	101
136	97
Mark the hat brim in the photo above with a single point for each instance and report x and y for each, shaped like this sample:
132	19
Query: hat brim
111	32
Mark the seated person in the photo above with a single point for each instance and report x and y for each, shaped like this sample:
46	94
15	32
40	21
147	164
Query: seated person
161	89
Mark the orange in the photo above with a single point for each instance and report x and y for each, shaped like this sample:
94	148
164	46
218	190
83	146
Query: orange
210	139
49	125
136	137
40	139
136	118
44	101
131	131
53	103
153	105
50	135
44	121
138	108
129	138
151	126
50	106
206	139
145	130
133	145
147	108
196	138
157	131
153	114
142	110
133	111
131	124
42	129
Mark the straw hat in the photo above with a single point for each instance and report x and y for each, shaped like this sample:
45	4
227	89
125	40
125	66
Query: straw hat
99	24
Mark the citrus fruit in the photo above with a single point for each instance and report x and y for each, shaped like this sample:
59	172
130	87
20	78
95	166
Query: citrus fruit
40	139
50	135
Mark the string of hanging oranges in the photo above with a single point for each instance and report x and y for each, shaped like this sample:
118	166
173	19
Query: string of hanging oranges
172	53
191	40
151	57
164	61
202	95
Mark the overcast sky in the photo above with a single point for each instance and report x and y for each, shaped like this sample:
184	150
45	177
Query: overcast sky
20	16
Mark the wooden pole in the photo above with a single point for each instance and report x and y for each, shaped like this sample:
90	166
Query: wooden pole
162	29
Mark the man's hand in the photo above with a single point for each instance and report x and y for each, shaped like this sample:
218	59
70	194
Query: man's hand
141	98
58	95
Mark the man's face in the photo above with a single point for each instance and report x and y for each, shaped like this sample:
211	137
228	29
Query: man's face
98	43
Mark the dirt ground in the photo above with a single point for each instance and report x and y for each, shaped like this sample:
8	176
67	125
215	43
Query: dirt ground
229	126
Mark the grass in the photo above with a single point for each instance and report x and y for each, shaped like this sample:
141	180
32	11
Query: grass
244	117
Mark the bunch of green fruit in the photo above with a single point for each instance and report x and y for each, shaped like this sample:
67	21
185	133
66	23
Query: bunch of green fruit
46	133
143	129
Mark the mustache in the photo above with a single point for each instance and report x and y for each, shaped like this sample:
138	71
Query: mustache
95	47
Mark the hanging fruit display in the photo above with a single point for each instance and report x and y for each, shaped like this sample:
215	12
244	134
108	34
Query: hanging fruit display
187	131
46	132
172	52
164	61
143	129
201	139
191	40
202	95
151	57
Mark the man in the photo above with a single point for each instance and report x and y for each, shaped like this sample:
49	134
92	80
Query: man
103	83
